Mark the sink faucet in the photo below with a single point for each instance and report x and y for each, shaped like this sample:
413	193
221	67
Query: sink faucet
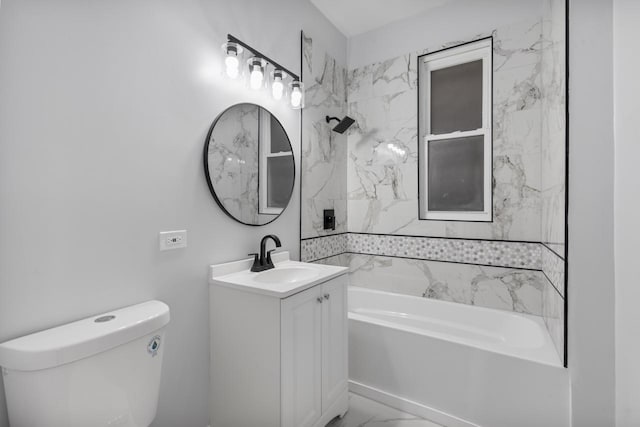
264	262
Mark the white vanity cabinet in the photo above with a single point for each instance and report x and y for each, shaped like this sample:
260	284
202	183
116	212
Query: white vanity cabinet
314	353
278	355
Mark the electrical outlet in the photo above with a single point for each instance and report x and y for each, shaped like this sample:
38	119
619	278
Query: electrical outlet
173	240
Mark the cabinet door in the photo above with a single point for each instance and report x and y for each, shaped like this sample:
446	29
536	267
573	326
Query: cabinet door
301	358
334	340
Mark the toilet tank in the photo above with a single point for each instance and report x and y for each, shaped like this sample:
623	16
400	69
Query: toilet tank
102	371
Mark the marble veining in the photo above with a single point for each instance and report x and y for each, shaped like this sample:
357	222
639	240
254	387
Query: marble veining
450	279
382	160
324	153
493	287
370	177
233	163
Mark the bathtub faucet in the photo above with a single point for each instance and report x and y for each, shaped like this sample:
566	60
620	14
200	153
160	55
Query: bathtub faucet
264	262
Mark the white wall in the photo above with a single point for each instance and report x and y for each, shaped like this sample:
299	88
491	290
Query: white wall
437	26
626	33
104	108
590	293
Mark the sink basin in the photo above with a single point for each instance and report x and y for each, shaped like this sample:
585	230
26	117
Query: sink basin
287	278
287	275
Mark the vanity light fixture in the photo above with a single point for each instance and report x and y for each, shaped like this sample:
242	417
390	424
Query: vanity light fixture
232	53
257	69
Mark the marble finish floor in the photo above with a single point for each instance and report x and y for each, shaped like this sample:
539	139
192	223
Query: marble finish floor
364	412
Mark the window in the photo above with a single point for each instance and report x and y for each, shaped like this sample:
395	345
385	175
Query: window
455	147
276	161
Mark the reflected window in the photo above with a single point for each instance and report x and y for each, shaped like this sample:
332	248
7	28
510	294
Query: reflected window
276	173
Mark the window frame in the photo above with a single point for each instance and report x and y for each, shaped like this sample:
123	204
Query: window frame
481	49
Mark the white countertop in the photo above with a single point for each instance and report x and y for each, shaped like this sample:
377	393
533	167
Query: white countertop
237	275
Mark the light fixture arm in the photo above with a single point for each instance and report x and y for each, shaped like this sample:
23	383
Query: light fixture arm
231	38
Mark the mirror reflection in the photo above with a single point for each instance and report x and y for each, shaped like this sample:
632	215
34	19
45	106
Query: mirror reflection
249	164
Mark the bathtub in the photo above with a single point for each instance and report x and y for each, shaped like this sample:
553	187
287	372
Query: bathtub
455	364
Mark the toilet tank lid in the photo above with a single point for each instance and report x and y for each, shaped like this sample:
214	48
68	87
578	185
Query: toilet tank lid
83	338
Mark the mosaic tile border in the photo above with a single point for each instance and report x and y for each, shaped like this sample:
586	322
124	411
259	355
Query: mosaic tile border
478	252
521	255
316	248
553	268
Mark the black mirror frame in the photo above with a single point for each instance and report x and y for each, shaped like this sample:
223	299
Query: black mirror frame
205	157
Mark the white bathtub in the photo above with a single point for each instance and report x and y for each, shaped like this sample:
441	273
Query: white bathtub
455	364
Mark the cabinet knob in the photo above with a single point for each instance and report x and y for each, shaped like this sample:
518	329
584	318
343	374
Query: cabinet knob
326	296
319	299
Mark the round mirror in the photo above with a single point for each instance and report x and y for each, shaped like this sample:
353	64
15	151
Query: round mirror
248	163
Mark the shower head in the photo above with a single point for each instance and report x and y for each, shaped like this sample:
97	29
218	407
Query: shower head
342	125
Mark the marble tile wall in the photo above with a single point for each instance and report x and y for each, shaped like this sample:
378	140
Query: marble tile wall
553	305
553	165
512	289
494	287
432	268
324	153
374	178
525	277
553	149
553	267
411	265
382	170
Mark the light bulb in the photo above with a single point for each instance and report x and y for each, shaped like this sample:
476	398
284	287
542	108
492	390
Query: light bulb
232	53
256	78
232	65
296	88
296	97
257	74
277	88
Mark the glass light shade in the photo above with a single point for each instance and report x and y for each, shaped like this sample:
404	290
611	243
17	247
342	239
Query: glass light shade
233	53
256	73
296	88
277	85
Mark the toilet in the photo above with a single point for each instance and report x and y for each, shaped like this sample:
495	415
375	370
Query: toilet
102	371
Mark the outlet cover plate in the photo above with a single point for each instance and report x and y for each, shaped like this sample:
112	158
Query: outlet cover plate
173	240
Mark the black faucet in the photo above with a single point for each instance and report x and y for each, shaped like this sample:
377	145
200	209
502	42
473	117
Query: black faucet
264	262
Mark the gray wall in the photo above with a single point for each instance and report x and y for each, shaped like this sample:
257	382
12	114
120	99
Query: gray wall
591	267
626	34
104	108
